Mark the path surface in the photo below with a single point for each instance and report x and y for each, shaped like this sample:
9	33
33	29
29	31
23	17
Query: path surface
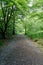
21	51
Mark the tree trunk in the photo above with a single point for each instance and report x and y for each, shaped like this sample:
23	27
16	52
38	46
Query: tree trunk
14	24
25	29
14	28
3	35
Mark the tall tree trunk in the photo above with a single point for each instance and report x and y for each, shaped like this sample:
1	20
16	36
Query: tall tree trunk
25	29
3	35
13	27
14	24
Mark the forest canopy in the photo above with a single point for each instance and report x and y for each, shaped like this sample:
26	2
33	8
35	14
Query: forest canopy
21	17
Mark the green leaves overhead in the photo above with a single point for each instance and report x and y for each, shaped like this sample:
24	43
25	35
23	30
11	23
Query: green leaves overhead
37	3
20	4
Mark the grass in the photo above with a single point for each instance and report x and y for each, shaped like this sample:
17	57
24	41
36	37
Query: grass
40	41
37	37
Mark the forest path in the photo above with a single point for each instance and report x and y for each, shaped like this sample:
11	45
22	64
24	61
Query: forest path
21	51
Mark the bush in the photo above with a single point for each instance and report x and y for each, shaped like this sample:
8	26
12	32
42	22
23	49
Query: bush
34	35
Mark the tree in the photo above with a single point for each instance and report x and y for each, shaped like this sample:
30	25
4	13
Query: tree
7	9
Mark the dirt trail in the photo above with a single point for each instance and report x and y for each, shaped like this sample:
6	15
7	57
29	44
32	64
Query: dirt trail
21	51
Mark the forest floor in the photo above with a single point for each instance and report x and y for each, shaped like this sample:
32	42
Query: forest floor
20	51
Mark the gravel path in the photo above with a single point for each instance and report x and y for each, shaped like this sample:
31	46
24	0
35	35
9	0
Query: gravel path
21	51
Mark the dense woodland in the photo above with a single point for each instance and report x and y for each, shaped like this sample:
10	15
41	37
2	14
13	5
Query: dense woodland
21	32
21	17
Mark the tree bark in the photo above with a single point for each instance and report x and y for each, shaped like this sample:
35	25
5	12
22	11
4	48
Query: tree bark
3	35
14	27
25	29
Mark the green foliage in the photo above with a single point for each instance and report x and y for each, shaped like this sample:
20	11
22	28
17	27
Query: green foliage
8	12
21	17
38	34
